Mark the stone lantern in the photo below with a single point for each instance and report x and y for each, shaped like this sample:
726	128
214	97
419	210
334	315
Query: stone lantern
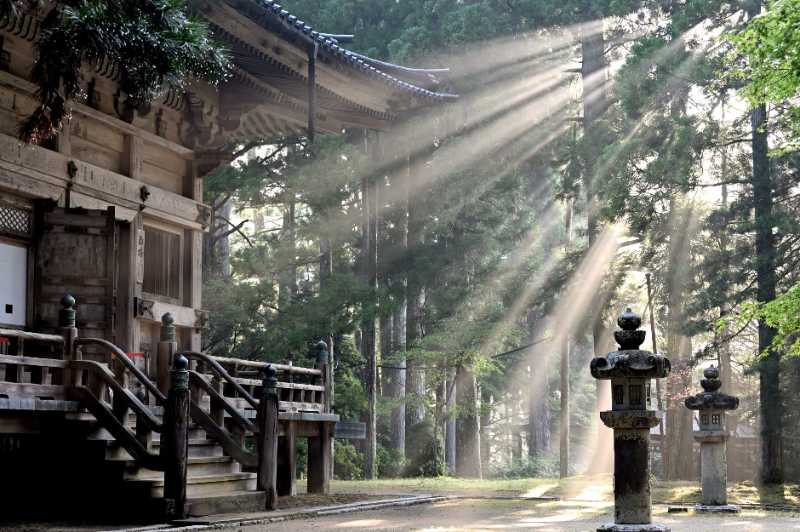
712	433
630	370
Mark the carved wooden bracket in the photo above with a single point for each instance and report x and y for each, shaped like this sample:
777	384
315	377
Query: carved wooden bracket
143	308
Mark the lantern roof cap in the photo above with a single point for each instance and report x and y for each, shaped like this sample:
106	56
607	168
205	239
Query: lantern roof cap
711	397
630	361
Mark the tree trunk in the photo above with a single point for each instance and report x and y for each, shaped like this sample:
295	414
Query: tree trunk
468	440
287	281
538	394
368	338
678	463
563	447
450	425
415	294
516	436
564	426
395	361
678	458
487	404
770	402
397	423
385	384
593	66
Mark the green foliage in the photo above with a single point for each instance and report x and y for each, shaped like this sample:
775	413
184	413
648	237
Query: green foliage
526	467
782	313
771	45
424	454
155	44
348	463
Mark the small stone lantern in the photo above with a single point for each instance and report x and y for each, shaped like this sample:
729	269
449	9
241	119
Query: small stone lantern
630	370
712	433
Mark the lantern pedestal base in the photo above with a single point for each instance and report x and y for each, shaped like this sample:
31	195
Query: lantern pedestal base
614	527
717	508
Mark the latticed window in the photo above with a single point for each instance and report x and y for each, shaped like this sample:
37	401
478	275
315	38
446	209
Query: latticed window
162	263
15	221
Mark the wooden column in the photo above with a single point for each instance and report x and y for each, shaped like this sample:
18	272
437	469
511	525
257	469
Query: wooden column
167	348
175	447
319	460
268	439
287	468
193	253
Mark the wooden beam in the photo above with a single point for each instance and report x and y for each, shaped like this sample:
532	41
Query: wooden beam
183	316
26	87
44	173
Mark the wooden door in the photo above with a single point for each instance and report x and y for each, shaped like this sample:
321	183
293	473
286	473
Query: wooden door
77	253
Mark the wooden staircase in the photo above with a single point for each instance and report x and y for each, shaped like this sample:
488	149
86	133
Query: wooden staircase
215	482
126	429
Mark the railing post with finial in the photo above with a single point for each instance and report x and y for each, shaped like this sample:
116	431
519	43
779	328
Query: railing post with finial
268	438
69	330
175	436
167	347
325	379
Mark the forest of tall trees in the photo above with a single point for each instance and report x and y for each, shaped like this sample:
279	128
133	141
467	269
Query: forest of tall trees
465	266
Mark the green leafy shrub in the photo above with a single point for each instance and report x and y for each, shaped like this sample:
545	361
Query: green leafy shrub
423	455
348	463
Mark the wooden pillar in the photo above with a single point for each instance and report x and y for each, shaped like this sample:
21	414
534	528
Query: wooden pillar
68	329
268	439
175	447
319	460
167	348
287	468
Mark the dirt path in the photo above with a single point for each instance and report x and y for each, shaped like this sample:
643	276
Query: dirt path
482	514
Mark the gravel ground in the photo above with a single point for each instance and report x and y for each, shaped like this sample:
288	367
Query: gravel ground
484	514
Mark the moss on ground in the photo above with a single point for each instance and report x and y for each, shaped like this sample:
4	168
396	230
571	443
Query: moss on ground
583	488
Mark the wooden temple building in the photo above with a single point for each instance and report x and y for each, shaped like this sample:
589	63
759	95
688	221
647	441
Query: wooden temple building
111	213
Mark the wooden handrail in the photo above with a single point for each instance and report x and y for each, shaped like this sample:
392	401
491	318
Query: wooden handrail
231	447
109	421
195	379
128	363
223	374
25	335
108	378
34	361
296	370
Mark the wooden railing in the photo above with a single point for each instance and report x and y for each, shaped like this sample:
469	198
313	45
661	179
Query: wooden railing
220	394
299	389
32	377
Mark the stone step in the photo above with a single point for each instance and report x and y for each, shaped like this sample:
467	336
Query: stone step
233	502
197	466
197	447
202	485
115	453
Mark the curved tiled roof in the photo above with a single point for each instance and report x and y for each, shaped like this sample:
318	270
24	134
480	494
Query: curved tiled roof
352	59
